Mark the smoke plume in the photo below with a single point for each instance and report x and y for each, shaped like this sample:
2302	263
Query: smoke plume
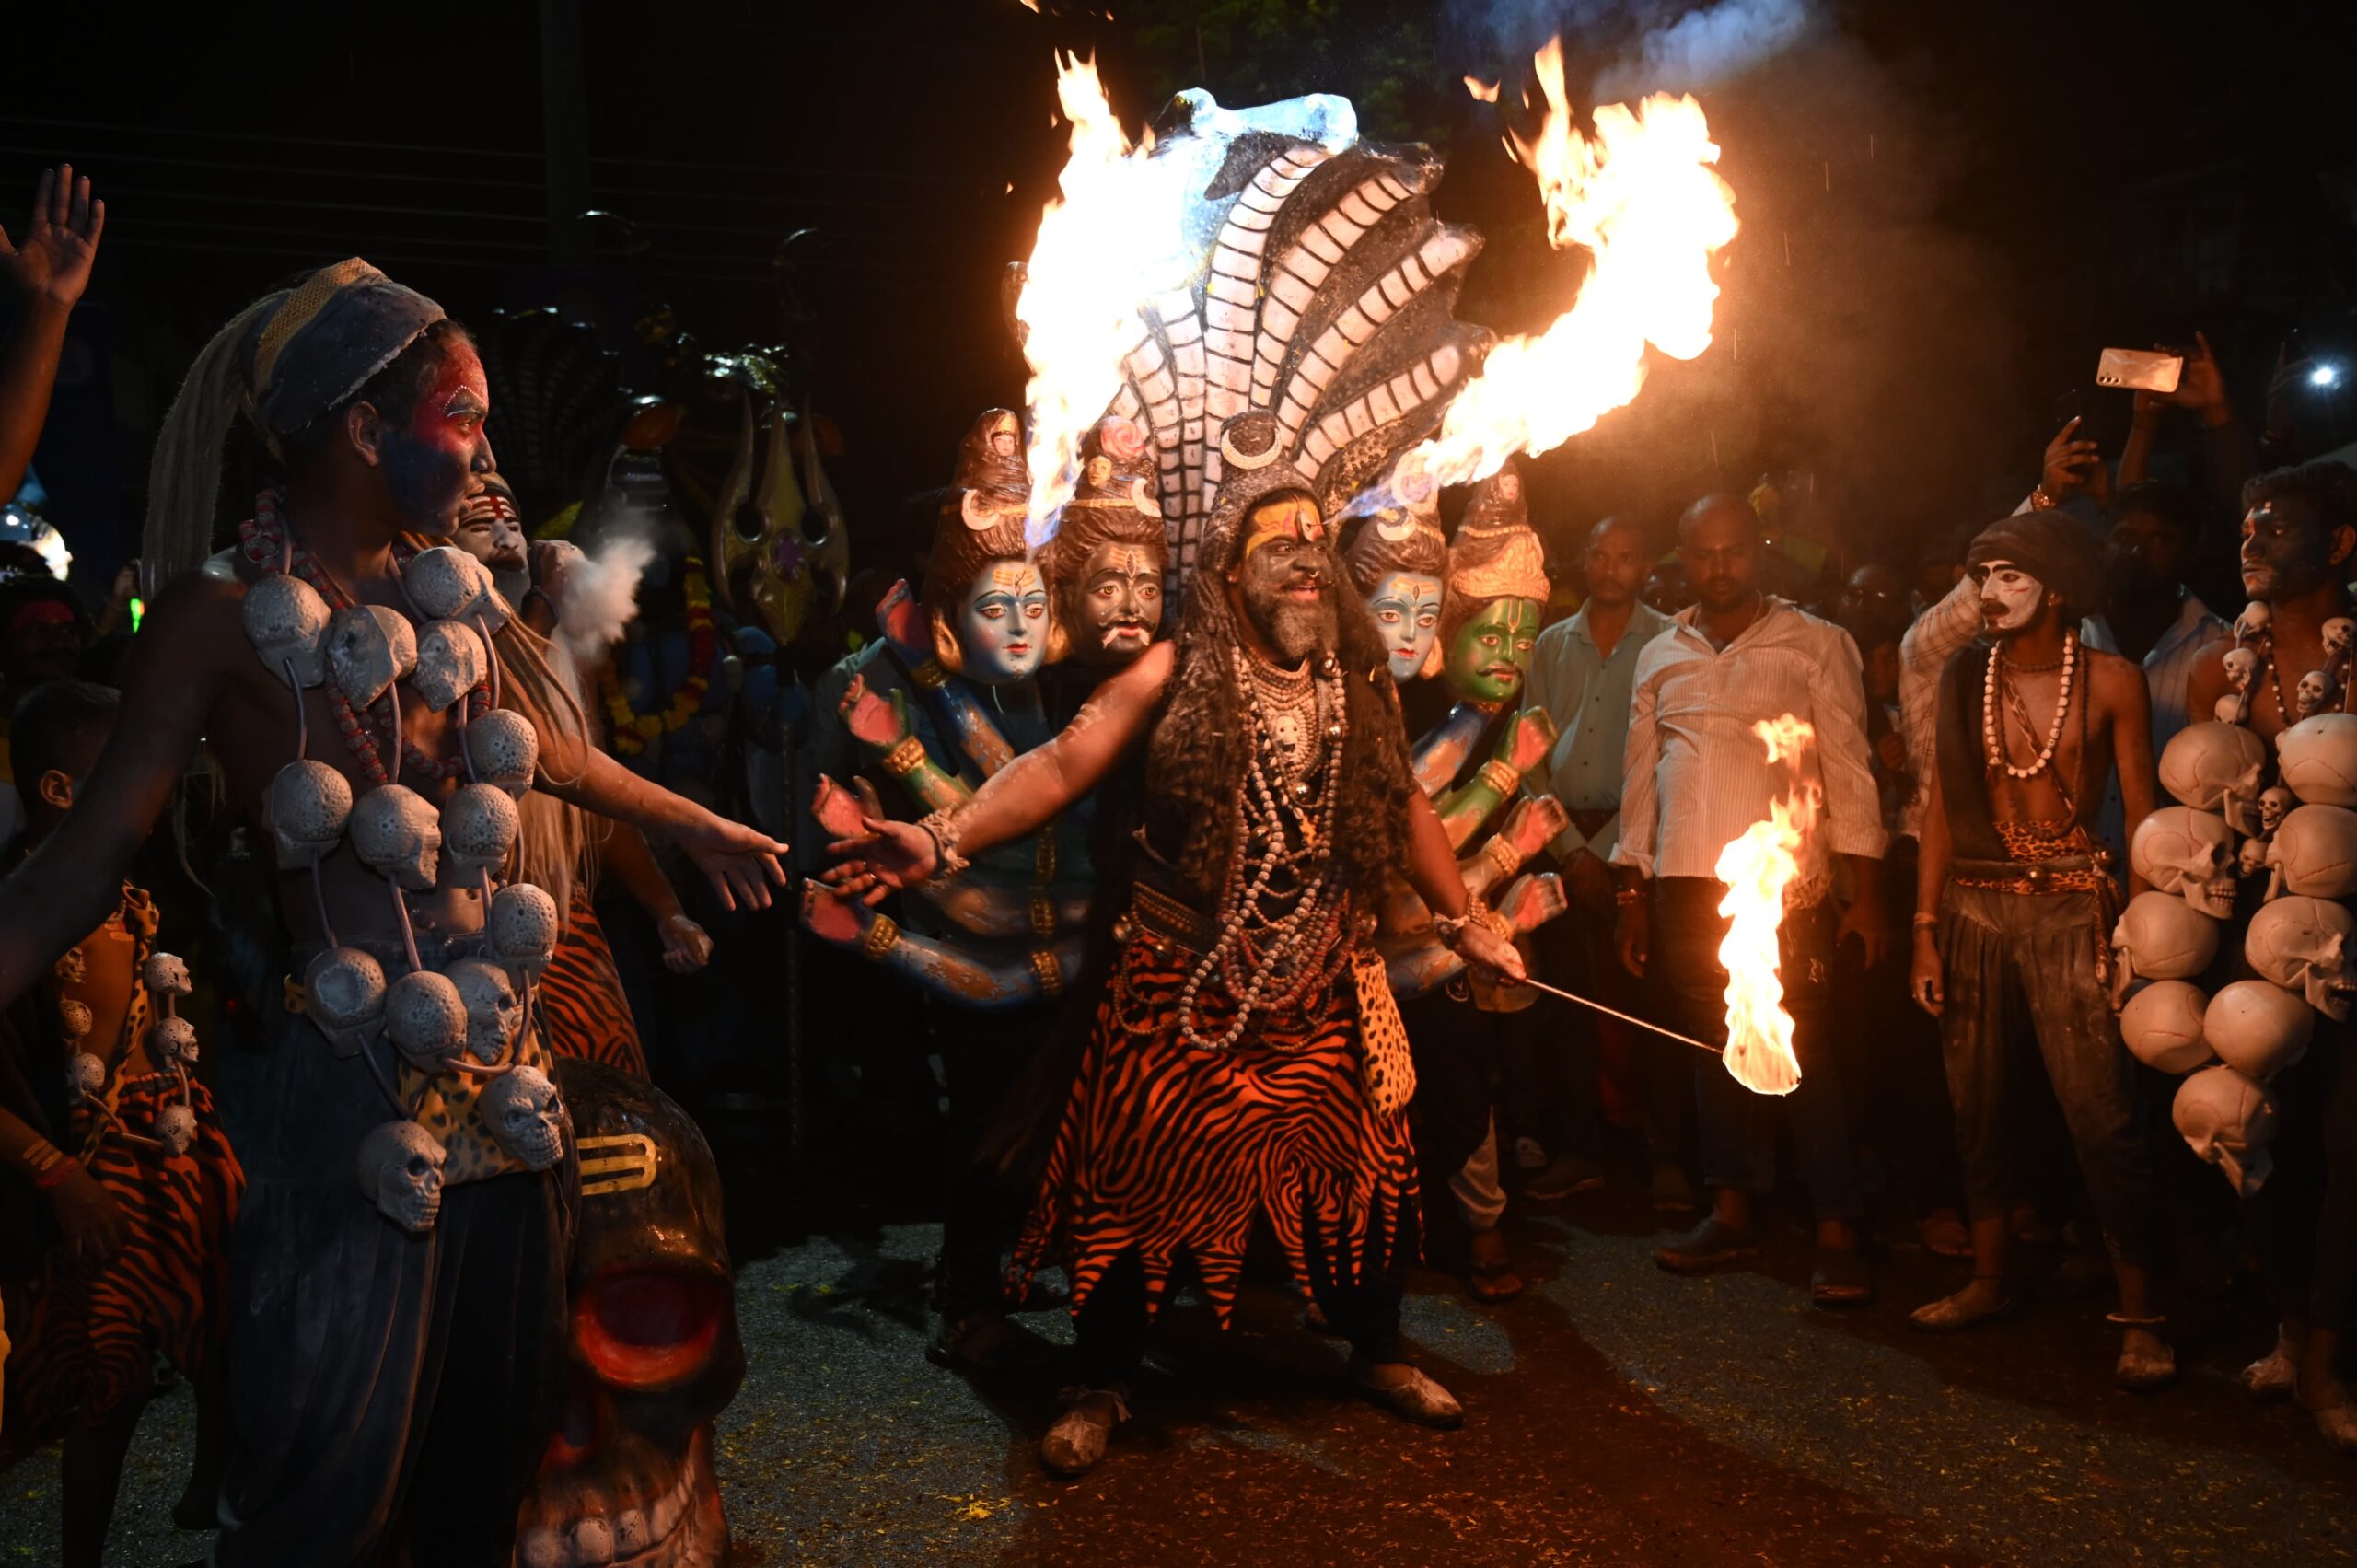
600	596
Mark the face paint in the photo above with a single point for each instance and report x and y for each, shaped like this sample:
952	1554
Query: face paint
2010	597
489	530
2286	550
1289	517
1285	577
1407	612
1492	652
430	463
1003	623
1119	604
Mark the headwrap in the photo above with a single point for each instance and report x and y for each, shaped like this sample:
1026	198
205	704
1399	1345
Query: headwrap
2050	546
338	327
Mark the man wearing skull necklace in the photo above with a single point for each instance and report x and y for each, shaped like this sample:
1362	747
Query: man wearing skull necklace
1245	1005
2013	890
2299	538
391	1362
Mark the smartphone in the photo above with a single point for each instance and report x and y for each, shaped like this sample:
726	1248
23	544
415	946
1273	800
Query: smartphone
2145	370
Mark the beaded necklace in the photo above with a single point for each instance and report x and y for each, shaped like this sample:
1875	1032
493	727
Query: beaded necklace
1990	723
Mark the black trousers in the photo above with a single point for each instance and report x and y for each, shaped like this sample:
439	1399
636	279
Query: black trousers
982	1054
2303	1222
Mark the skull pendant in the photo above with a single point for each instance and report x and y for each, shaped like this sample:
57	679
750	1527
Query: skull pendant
397	833
450	663
2190	852
523	925
343	994
165	975
2302	945
74	1019
495	1014
85	1078
2314	853
176	1130
287	621
525	1116
400	1167
369	647
479	827
447	584
173	1041
306	805
504	749
426	1020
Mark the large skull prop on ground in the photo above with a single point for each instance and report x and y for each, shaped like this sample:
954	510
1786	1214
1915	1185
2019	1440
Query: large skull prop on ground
2162	1025
450	663
504	749
2229	1119
307	806
400	1167
2188	853
2216	767
479	826
2317	759
287	621
2314	853
2256	1028
397	833
369	647
2161	937
655	1355
2302	945
526	1116
343	994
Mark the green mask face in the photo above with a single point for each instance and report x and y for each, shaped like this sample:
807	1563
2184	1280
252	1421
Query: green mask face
1490	653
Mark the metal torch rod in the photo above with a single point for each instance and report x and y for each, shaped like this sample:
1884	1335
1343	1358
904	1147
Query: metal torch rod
1616	1013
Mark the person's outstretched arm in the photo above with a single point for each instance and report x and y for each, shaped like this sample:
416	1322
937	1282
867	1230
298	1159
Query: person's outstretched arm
48	268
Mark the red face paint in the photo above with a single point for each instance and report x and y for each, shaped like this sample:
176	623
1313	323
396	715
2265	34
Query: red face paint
431	461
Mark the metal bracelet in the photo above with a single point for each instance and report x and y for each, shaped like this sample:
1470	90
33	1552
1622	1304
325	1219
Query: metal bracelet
881	938
905	758
930	675
942	827
1502	854
1500	775
1051	975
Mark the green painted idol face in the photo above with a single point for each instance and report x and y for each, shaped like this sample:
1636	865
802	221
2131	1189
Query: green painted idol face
1490	653
1406	606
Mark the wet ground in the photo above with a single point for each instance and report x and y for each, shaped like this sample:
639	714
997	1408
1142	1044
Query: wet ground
1616	1414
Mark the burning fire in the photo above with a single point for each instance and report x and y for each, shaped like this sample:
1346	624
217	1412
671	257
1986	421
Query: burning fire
1757	868
1643	199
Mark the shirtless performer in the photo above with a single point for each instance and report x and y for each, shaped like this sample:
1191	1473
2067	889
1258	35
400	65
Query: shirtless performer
2015	891
390	1388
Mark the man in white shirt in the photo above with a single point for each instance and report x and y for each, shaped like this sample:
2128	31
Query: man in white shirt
1698	777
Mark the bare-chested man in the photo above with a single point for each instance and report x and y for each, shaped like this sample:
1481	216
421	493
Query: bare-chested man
389	1388
2015	894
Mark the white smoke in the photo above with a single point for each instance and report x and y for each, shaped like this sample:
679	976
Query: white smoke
1634	47
600	596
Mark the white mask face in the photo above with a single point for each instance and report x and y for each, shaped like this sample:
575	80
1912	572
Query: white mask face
2009	598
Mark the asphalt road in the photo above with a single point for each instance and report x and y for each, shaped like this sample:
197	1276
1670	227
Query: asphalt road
1616	1414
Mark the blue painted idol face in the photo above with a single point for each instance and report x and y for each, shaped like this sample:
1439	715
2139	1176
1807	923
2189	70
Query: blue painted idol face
1003	623
1407	612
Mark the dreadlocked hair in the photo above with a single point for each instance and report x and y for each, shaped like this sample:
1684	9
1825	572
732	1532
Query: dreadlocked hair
1198	754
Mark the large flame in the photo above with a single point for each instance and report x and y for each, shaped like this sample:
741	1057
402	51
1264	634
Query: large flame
1641	197
1757	868
1109	241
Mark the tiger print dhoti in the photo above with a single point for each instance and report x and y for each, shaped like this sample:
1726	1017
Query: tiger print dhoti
584	1013
96	1330
1166	1150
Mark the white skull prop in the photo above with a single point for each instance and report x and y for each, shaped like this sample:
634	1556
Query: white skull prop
503	748
2227	709
174	1040
176	1130
397	833
343	994
72	968
523	925
74	1018
2302	945
307	806
2315	852
2162	1025
2313	691
2337	634
479	827
2317	759
426	1020
494	1015
85	1077
2228	1121
2251	859
450	663
2274	804
2253	620
2160	937
400	1170
2216	767
2256	1028
287	621
165	975
525	1117
447	584
2190	852
369	647
2242	668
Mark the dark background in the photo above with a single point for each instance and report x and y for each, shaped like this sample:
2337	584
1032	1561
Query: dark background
1946	209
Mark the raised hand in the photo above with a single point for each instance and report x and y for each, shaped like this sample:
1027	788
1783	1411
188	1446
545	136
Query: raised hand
873	721
61	239
1535	822
838	813
2200	387
2071	465
902	621
1526	740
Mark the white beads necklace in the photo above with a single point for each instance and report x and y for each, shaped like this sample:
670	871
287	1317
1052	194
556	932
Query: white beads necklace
1989	724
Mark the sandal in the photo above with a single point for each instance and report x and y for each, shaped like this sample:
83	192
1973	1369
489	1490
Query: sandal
1839	1278
2141	1371
1950	1315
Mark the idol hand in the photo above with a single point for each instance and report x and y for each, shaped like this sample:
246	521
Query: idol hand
888	856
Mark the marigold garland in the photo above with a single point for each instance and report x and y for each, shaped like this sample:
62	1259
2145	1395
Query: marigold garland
632	729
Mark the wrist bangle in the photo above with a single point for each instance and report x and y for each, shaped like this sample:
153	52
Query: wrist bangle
941	827
1499	774
1502	854
881	938
1625	897
52	1178
905	758
1050	975
930	675
2039	501
1925	922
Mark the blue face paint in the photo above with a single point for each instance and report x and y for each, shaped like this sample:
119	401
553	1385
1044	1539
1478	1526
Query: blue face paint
1003	623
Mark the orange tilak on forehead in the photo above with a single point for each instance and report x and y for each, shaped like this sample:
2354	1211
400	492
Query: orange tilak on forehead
1294	517
1015	577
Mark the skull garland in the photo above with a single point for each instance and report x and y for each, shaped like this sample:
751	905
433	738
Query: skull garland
450	663
2253	620
2229	1119
524	927
306	805
398	834
369	649
400	1167
343	994
166	976
2161	937
479	827
2163	1026
651	1252
504	749
176	1130
72	968
427	1020
2190	852
524	1115
2258	1029
2274	804
287	621
2338	633
447	584
85	1076
173	1042
495	1014
2317	759
74	1019
2312	692
2242	669
2216	767
2302	945
2315	854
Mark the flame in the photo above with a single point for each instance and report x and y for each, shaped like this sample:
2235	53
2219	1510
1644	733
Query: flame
1641	197
1109	241
1757	868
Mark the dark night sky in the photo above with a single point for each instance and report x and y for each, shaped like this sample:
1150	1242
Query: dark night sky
1948	210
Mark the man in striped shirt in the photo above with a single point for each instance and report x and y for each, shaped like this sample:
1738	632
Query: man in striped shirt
1698	777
